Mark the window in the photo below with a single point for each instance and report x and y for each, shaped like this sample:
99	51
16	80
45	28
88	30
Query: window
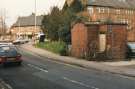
108	10
101	10
118	11
128	11
124	21
131	12
90	10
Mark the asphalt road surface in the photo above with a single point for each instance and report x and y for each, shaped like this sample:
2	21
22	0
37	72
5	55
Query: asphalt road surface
43	73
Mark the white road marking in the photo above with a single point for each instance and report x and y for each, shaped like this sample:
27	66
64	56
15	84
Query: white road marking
6	85
80	83
38	68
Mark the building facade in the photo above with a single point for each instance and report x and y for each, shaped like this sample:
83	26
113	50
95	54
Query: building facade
24	27
119	11
114	11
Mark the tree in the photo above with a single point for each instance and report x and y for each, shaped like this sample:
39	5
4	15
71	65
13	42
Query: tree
3	26
65	27
50	24
64	34
76	6
57	24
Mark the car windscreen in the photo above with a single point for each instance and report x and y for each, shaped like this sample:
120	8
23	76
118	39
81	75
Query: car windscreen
8	51
131	45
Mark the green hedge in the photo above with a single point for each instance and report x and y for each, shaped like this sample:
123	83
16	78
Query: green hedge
56	47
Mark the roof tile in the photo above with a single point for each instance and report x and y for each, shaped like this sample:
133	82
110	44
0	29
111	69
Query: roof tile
129	4
28	21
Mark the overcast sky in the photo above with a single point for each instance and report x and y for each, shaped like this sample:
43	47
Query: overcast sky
15	8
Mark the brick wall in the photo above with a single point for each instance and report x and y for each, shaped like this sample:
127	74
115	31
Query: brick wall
86	37
125	16
117	40
79	40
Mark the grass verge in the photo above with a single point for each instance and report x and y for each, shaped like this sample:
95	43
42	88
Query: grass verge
57	47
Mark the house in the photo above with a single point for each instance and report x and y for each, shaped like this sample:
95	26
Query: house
99	40
117	11
24	27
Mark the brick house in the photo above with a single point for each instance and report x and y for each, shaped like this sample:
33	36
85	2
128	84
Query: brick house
25	27
99	40
117	11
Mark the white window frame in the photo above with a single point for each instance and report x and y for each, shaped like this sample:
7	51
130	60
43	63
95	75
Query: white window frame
90	10
101	10
118	11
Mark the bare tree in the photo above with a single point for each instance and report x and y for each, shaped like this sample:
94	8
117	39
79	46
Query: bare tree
3	26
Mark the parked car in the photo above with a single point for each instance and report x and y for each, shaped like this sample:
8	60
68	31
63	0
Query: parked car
130	49
9	55
20	41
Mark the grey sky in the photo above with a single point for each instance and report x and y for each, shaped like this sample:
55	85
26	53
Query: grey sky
15	8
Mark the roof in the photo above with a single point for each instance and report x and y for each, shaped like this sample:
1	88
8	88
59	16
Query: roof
129	4
104	23
28	21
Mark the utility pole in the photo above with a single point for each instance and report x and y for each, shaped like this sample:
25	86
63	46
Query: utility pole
35	20
19	28
35	14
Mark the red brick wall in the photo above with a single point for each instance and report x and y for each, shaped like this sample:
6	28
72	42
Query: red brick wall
92	37
79	40
117	40
125	14
83	35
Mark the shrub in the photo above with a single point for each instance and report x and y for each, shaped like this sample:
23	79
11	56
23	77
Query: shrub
57	47
63	52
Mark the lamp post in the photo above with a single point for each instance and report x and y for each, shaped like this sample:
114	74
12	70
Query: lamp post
35	14
35	21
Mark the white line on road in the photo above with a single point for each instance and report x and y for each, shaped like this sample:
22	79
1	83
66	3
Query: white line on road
38	68
80	83
6	85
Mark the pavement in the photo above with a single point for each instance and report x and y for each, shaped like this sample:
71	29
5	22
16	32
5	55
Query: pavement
121	67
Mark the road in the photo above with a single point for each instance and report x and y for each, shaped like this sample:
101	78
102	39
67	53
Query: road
42	73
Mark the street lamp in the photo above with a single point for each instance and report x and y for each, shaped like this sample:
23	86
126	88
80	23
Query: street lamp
35	14
35	20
